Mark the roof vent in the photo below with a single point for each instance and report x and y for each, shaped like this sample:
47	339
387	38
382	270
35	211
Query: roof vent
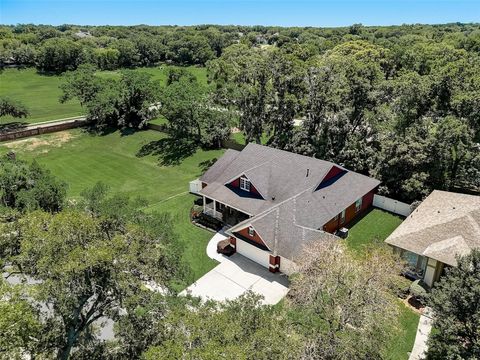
308	172
273	198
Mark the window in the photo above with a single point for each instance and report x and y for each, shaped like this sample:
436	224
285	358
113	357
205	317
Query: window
342	217
358	205
244	184
416	263
251	231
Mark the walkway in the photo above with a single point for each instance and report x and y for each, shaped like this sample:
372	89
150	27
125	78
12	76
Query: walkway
423	331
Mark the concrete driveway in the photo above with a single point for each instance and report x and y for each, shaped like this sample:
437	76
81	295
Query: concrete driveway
236	275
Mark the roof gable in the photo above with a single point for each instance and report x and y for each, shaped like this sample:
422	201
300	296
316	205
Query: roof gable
280	175
443	226
333	175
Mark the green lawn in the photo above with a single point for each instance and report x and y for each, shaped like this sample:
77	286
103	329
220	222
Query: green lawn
82	159
239	138
40	93
373	227
403	342
195	239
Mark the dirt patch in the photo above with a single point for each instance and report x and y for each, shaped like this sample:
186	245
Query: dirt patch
33	143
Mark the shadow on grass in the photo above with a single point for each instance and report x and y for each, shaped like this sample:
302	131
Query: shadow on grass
207	164
170	151
100	130
14	125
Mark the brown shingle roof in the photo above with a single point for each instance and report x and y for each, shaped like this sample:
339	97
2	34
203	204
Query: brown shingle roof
292	211
444	226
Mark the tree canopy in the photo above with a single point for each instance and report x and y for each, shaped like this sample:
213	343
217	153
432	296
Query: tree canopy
454	301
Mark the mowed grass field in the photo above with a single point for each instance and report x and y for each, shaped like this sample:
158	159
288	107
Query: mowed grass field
40	93
82	159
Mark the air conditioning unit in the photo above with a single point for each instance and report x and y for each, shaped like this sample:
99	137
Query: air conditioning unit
343	233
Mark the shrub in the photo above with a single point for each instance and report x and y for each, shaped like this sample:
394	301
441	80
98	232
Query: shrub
401	286
419	290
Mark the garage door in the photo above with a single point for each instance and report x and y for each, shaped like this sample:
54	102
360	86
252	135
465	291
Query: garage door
253	253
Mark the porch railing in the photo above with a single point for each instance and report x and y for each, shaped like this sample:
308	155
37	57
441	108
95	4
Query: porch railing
211	212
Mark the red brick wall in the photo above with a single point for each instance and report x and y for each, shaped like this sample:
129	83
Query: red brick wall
236	183
333	172
350	213
274	263
256	238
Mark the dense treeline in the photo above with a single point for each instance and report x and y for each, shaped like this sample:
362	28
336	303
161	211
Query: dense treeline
408	115
400	103
60	48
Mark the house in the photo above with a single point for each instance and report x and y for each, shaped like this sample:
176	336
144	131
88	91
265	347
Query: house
277	202
445	225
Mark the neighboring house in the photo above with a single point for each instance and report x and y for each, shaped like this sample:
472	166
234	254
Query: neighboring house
278	202
443	226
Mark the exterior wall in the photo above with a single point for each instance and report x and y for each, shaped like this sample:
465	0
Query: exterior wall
255	238
236	184
350	213
39	129
252	252
233	242
287	266
195	186
432	272
334	171
274	264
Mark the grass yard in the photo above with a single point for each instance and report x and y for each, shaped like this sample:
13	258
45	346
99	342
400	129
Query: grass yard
40	93
373	227
195	239
82	159
403	343
239	138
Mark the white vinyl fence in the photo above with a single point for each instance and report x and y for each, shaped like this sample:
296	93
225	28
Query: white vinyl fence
394	206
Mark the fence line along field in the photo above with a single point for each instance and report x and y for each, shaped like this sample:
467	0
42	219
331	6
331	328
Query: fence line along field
40	93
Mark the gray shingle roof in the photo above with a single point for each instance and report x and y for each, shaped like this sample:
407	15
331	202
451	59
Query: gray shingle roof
444	225
292	211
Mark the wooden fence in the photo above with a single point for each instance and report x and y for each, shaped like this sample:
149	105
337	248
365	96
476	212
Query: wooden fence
44	128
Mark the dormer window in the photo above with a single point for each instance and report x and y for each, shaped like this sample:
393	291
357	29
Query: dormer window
244	184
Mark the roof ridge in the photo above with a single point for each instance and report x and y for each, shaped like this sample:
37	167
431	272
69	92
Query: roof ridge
429	227
290	153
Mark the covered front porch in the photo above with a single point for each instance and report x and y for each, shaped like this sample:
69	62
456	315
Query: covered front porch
222	212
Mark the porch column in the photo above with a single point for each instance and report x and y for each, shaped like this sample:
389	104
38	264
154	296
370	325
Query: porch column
430	271
204	203
214	209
